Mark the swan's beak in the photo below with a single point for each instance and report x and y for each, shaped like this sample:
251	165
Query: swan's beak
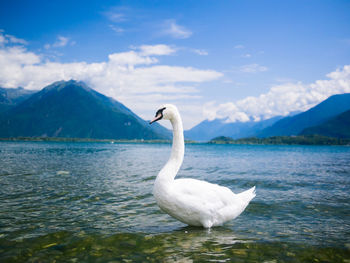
157	118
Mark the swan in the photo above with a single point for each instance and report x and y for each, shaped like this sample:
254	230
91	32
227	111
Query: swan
193	202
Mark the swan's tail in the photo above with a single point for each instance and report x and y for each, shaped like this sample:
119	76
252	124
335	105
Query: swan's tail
240	202
248	195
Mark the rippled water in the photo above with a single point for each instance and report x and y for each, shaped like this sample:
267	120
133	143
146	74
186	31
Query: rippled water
92	202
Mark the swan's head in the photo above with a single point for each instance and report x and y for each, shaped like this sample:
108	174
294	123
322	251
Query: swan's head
165	112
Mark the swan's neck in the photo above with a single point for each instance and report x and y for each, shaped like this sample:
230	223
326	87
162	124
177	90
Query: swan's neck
169	171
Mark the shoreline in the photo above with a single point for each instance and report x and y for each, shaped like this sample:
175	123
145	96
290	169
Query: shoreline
275	140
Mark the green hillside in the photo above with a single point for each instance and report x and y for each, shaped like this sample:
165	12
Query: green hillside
338	126
71	109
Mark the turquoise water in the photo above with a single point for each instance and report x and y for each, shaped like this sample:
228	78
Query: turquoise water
92	202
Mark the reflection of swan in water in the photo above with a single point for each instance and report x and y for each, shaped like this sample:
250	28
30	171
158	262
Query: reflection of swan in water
198	236
193	202
191	244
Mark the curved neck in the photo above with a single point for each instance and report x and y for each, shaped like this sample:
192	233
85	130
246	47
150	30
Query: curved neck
173	165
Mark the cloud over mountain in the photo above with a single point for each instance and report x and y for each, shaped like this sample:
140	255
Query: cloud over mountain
282	99
134	77
138	78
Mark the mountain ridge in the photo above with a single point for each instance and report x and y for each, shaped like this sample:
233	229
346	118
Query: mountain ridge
10	97
72	109
276	126
207	130
330	107
338	126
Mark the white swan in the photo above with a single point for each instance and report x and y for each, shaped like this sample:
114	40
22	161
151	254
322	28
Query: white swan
193	202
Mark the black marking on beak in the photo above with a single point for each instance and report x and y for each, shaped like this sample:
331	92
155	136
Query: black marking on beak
159	115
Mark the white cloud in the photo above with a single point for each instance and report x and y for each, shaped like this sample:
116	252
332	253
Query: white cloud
282	99
158	50
60	42
17	56
2	39
10	39
130	59
176	31
284	80
200	52
253	68
239	46
117	14
246	55
116	29
116	17
16	40
134	77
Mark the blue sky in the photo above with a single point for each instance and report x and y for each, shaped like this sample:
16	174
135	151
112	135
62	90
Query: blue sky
236	60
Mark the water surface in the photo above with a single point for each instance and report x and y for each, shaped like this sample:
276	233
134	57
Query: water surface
92	202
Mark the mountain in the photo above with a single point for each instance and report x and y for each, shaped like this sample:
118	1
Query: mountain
206	130
277	126
72	109
338	126
11	97
322	112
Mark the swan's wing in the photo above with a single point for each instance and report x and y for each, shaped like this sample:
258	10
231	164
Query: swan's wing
211	203
202	195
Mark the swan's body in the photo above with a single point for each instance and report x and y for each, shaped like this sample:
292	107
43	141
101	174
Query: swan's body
193	202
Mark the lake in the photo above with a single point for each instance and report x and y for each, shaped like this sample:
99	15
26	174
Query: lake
93	202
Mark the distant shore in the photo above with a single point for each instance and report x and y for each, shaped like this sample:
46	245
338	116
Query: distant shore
275	140
283	140
62	139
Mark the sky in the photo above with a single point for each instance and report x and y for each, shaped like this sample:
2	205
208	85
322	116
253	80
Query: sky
228	59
